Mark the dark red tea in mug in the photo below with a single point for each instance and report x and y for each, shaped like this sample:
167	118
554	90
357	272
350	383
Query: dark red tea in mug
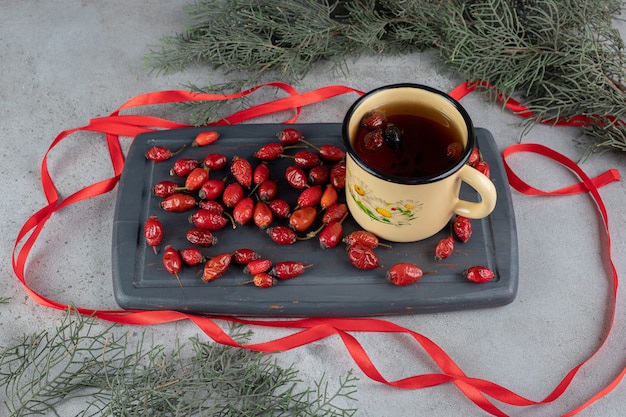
406	145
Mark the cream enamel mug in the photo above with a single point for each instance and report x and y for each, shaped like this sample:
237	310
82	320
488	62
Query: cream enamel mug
397	187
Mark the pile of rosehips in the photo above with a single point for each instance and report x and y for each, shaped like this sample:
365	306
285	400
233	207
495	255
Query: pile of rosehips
216	192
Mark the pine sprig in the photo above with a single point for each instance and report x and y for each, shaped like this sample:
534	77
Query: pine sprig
561	57
105	373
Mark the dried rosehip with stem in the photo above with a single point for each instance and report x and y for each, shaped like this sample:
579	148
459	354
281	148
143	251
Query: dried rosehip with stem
207	219
263	280
289	136
330	236
215	267
267	190
161	153
153	232
478	274
196	179
165	188
329	197
272	151
289	269
172	262
334	213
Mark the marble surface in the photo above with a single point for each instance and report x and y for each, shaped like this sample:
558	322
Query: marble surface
65	62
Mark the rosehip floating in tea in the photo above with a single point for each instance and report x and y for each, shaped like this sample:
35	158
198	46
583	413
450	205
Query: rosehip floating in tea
406	145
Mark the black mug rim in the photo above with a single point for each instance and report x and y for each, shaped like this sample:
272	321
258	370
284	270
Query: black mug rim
471	139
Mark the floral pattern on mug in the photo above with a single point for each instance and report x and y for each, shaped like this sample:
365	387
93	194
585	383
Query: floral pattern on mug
397	213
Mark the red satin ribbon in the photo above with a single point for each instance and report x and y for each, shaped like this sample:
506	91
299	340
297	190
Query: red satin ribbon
308	330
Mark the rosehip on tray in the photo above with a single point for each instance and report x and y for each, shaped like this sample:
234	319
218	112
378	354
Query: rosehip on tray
483	168
363	238
215	267
241	169
330	236
338	175
474	157
211	205
302	218
205	138
268	190
261	173
207	219
331	153
462	227
201	237
296	177
329	197
318	175
310	197
335	213
280	208
282	235
178	202
215	161
403	274
288	269
263	280
172	262
191	256
233	193
243	256
289	136
262	215
161	153
257	266
363	257
243	211
183	167
444	248
153	231
269	152
212	189
306	159
196	179
164	189
478	274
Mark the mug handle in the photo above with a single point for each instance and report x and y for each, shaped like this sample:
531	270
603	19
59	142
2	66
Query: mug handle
484	187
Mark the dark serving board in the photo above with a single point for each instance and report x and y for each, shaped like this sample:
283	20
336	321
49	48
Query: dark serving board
332	287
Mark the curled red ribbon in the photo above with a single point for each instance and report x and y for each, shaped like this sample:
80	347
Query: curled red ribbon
308	330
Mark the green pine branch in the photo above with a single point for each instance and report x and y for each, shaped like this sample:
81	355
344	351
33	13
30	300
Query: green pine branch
562	58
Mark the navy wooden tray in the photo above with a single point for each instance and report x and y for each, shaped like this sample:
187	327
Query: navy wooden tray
332	287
